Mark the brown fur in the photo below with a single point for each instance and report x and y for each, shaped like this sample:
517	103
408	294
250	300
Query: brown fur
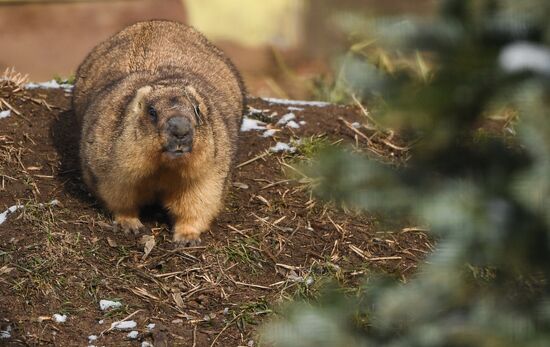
174	67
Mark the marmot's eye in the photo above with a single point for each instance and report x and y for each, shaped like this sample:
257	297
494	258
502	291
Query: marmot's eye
198	115
152	113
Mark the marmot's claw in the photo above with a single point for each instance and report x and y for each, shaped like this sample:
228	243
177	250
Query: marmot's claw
186	243
186	236
129	225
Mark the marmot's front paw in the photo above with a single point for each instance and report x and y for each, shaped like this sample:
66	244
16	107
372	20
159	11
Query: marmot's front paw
186	235
129	224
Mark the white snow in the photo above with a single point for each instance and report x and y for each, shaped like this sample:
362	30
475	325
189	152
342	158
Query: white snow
292	124
124	325
101	321
286	118
92	338
356	125
133	334
296	102
302	122
525	56
12	209
292	108
5	114
107	304
59	318
54	202
5	334
269	133
151	326
252	124
146	344
252	110
282	147
53	84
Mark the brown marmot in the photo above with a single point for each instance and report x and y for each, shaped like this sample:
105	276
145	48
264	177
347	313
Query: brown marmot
160	109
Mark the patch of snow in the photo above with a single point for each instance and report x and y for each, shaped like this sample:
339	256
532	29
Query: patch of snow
269	133
293	124
53	84
292	108
525	56
286	118
252	124
101	321
92	338
146	344
356	125
5	114
132	334
59	318
151	326
11	209
296	102
124	325
252	110
5	334
54	202
302	122
282	147
107	304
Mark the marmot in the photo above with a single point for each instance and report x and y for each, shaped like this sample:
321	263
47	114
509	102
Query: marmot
160	109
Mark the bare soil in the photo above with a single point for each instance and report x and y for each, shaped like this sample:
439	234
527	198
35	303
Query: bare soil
274	241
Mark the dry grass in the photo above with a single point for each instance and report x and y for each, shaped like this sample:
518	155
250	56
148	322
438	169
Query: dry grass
274	243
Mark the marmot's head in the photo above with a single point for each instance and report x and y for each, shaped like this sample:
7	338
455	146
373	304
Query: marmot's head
171	114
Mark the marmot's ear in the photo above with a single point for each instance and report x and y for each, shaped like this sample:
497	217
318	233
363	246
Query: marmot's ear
200	101
136	106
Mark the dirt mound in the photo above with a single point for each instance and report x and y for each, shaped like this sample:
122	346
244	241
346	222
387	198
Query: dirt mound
274	241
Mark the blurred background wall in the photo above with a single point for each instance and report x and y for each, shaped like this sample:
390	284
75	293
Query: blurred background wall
277	44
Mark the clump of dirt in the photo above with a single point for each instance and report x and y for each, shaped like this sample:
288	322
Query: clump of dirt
274	241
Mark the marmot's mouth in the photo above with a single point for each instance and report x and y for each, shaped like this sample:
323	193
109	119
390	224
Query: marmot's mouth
177	152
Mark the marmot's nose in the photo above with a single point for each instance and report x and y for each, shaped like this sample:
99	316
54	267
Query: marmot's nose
180	128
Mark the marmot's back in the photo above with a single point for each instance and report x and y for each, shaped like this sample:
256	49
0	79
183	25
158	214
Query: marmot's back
158	47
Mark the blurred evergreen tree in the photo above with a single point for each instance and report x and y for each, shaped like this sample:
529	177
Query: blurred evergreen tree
486	200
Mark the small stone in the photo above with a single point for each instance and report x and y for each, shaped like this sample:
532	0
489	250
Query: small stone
240	185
